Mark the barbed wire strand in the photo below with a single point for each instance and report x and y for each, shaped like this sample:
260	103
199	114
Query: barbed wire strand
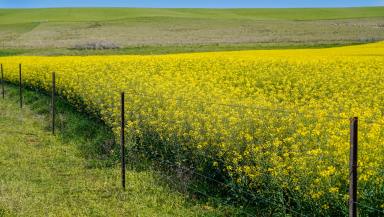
134	92
280	110
257	108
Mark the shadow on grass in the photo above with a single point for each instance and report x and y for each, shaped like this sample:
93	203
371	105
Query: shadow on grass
90	135
97	144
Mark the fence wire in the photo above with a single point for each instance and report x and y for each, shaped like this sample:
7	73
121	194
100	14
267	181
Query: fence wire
303	154
323	148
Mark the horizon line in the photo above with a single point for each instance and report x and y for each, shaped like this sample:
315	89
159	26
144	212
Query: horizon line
118	7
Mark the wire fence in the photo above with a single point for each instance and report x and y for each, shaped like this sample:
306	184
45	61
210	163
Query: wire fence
279	194
272	161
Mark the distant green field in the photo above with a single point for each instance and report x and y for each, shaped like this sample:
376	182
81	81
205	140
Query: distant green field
10	16
74	31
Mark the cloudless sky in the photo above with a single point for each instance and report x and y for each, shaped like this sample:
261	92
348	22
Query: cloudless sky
188	3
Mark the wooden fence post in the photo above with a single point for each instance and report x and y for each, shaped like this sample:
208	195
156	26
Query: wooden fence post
353	169
122	141
20	87
53	102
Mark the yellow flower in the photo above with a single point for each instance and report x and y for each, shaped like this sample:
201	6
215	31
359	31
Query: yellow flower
328	171
317	195
334	190
262	113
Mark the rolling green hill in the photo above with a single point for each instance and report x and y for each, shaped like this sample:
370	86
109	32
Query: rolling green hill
68	31
11	16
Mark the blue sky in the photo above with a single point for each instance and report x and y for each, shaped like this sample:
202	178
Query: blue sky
188	3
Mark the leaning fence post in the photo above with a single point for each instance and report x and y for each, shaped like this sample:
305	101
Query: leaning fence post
122	141
2	81
20	87
353	169
53	102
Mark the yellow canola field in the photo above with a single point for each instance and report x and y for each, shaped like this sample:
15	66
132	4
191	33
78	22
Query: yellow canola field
272	122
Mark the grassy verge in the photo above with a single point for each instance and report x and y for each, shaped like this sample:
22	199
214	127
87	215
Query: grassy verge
172	49
76	173
11	52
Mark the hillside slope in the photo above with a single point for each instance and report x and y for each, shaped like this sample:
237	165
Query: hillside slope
134	30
